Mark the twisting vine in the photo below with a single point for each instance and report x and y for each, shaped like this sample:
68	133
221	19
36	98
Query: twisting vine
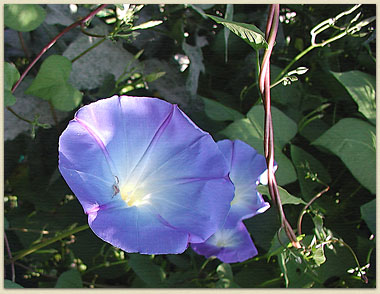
264	85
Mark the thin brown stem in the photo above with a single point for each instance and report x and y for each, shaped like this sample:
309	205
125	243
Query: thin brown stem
32	270
52	42
53	113
82	29
21	38
18	116
306	207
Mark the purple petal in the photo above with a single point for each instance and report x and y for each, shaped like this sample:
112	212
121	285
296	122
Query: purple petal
197	206
247	168
137	229
230	244
123	155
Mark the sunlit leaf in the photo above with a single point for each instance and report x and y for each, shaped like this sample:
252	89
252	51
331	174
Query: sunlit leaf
352	140
296	273
224	272
11	76
51	84
23	17
319	255
154	76
285	197
147	25
248	32
362	88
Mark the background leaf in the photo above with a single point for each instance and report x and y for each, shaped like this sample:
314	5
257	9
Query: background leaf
69	279
306	166
248	32
219	112
146	270
9	284
368	213
286	197
354	142
11	76
23	17
51	84
251	131
362	88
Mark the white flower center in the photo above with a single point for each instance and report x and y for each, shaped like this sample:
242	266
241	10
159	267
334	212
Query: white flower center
134	196
224	238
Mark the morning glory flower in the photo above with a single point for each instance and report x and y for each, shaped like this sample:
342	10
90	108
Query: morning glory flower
232	243
148	178
247	170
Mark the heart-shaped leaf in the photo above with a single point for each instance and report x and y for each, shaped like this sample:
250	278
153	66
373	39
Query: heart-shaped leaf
362	88
11	76
69	279
51	84
354	142
219	112
23	17
251	131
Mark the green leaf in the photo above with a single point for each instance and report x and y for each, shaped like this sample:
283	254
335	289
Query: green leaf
147	25
217	111
69	279
225	275
224	271
280	241
6	224
319	255
368	213
296	273
308	168
362	88
146	270
51	84
23	17
11	76
154	76
251	131
354	142
248	32
9	284
285	196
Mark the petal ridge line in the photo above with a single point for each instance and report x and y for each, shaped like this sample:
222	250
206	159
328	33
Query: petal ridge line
151	144
100	143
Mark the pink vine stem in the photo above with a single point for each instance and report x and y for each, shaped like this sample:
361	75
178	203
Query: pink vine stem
52	42
264	84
